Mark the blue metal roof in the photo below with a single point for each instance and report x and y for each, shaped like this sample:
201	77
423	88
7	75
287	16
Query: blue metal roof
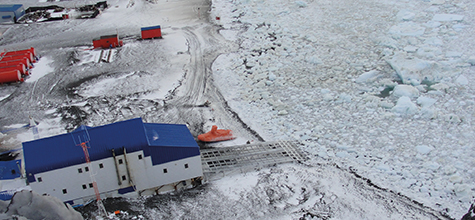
4	8
10	169
168	142
7	195
163	142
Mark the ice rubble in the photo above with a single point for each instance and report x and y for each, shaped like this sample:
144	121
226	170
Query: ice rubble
317	74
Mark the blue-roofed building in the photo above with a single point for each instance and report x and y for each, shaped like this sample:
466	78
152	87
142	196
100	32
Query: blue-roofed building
127	158
10	169
11	13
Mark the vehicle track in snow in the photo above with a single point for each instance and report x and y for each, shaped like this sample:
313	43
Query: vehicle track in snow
198	87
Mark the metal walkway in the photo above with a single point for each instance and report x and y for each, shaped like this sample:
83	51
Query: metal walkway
260	154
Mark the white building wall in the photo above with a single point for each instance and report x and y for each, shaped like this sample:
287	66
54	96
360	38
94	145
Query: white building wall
7	16
147	177
143	175
73	181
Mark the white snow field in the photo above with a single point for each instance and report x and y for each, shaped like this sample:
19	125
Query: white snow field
378	92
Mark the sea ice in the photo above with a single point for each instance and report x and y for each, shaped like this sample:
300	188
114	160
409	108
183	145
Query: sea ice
414	68
410	49
301	4
425	101
405	106
368	77
462	80
453	54
407	29
447	17
424	149
406	90
437	2
405	15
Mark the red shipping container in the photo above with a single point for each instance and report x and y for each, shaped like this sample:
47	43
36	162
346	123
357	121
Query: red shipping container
27	54
20	67
151	32
109	41
10	76
25	61
32	50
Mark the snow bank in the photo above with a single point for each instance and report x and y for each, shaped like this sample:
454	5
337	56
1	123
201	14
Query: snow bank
41	69
33	206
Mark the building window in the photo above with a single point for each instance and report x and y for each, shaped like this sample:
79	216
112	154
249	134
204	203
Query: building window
86	169
101	165
65	191
13	172
84	186
39	179
140	156
165	170
90	185
120	161
124	177
186	166
79	170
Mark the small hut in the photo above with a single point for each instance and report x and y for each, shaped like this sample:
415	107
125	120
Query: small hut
108	41
151	32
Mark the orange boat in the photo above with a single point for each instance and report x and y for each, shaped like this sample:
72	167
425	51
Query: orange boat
216	135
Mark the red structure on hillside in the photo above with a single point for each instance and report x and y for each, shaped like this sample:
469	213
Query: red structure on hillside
108	41
15	65
20	67
25	61
10	76
20	52
151	32
27	55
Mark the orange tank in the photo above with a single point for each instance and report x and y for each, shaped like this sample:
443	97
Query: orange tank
216	135
10	76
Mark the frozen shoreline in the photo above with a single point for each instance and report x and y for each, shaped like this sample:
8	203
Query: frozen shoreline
314	71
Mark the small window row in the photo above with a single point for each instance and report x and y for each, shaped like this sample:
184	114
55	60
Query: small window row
165	170
84	186
86	169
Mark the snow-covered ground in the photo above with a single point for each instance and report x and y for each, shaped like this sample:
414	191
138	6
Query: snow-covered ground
378	92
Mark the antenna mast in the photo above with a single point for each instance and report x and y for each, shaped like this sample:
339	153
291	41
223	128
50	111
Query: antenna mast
84	146
34	128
